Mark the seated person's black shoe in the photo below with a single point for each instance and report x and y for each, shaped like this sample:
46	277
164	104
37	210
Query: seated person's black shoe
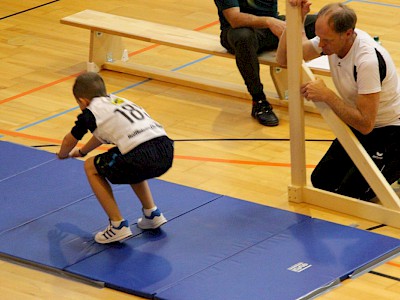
262	111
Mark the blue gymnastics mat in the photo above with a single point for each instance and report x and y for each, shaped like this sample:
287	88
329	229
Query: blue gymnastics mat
213	247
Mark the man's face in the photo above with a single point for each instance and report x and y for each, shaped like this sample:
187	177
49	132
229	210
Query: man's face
331	42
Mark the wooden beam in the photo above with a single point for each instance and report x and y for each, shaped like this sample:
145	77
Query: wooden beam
347	205
296	108
192	81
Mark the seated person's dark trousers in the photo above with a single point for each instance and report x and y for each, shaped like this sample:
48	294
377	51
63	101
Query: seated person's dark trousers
246	43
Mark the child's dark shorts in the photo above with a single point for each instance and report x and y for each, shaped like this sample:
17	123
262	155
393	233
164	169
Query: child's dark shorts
148	160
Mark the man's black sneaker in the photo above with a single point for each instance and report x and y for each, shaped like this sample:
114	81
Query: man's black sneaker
262	111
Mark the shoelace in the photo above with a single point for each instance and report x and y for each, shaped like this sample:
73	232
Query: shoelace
108	231
263	108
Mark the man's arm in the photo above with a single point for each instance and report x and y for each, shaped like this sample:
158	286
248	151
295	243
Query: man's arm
309	52
361	117
239	19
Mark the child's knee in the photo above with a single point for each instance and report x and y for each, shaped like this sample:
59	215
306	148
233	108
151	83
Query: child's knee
89	166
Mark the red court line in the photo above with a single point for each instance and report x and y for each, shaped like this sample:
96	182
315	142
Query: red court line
393	264
38	138
184	157
30	137
207	26
240	162
75	75
143	50
39	88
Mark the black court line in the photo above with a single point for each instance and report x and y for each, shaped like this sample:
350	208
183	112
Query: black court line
384	275
217	140
248	139
376	227
32	8
41	146
378	273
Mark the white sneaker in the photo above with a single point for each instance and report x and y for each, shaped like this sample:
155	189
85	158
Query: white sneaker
154	221
113	234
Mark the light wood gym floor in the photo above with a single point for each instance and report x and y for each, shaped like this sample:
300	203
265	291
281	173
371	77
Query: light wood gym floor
219	147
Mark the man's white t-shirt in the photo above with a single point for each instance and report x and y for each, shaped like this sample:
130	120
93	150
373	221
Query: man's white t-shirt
362	59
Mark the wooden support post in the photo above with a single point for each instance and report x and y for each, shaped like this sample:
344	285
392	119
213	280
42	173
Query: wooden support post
296	106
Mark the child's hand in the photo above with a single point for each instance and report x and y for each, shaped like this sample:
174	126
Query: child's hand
75	153
62	157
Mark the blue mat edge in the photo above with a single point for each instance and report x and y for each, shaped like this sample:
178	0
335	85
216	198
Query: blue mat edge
69	274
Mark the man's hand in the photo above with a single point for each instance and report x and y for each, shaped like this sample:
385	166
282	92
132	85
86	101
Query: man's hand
315	90
276	26
75	153
304	4
295	2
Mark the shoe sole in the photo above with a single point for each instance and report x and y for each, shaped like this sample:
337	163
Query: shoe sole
267	124
158	225
116	239
270	124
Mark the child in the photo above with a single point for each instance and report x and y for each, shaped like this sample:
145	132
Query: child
142	151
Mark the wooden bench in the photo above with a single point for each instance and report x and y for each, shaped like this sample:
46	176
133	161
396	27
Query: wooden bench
106	51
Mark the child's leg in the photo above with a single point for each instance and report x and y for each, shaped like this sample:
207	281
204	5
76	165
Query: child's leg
102	190
152	216
143	192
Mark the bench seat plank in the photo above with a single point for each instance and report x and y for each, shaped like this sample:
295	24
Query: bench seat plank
147	31
108	29
160	34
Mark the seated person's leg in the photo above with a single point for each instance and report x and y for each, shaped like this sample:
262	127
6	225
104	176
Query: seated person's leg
244	44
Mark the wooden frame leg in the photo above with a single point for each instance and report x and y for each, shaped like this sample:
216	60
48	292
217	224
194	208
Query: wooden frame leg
103	48
280	78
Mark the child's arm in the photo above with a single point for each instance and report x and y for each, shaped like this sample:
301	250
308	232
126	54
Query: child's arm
92	144
68	143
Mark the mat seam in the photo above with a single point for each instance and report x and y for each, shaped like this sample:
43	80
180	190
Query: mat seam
27	170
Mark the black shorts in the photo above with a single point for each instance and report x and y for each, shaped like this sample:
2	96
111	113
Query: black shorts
148	160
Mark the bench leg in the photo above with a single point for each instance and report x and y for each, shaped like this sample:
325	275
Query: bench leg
103	48
280	78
